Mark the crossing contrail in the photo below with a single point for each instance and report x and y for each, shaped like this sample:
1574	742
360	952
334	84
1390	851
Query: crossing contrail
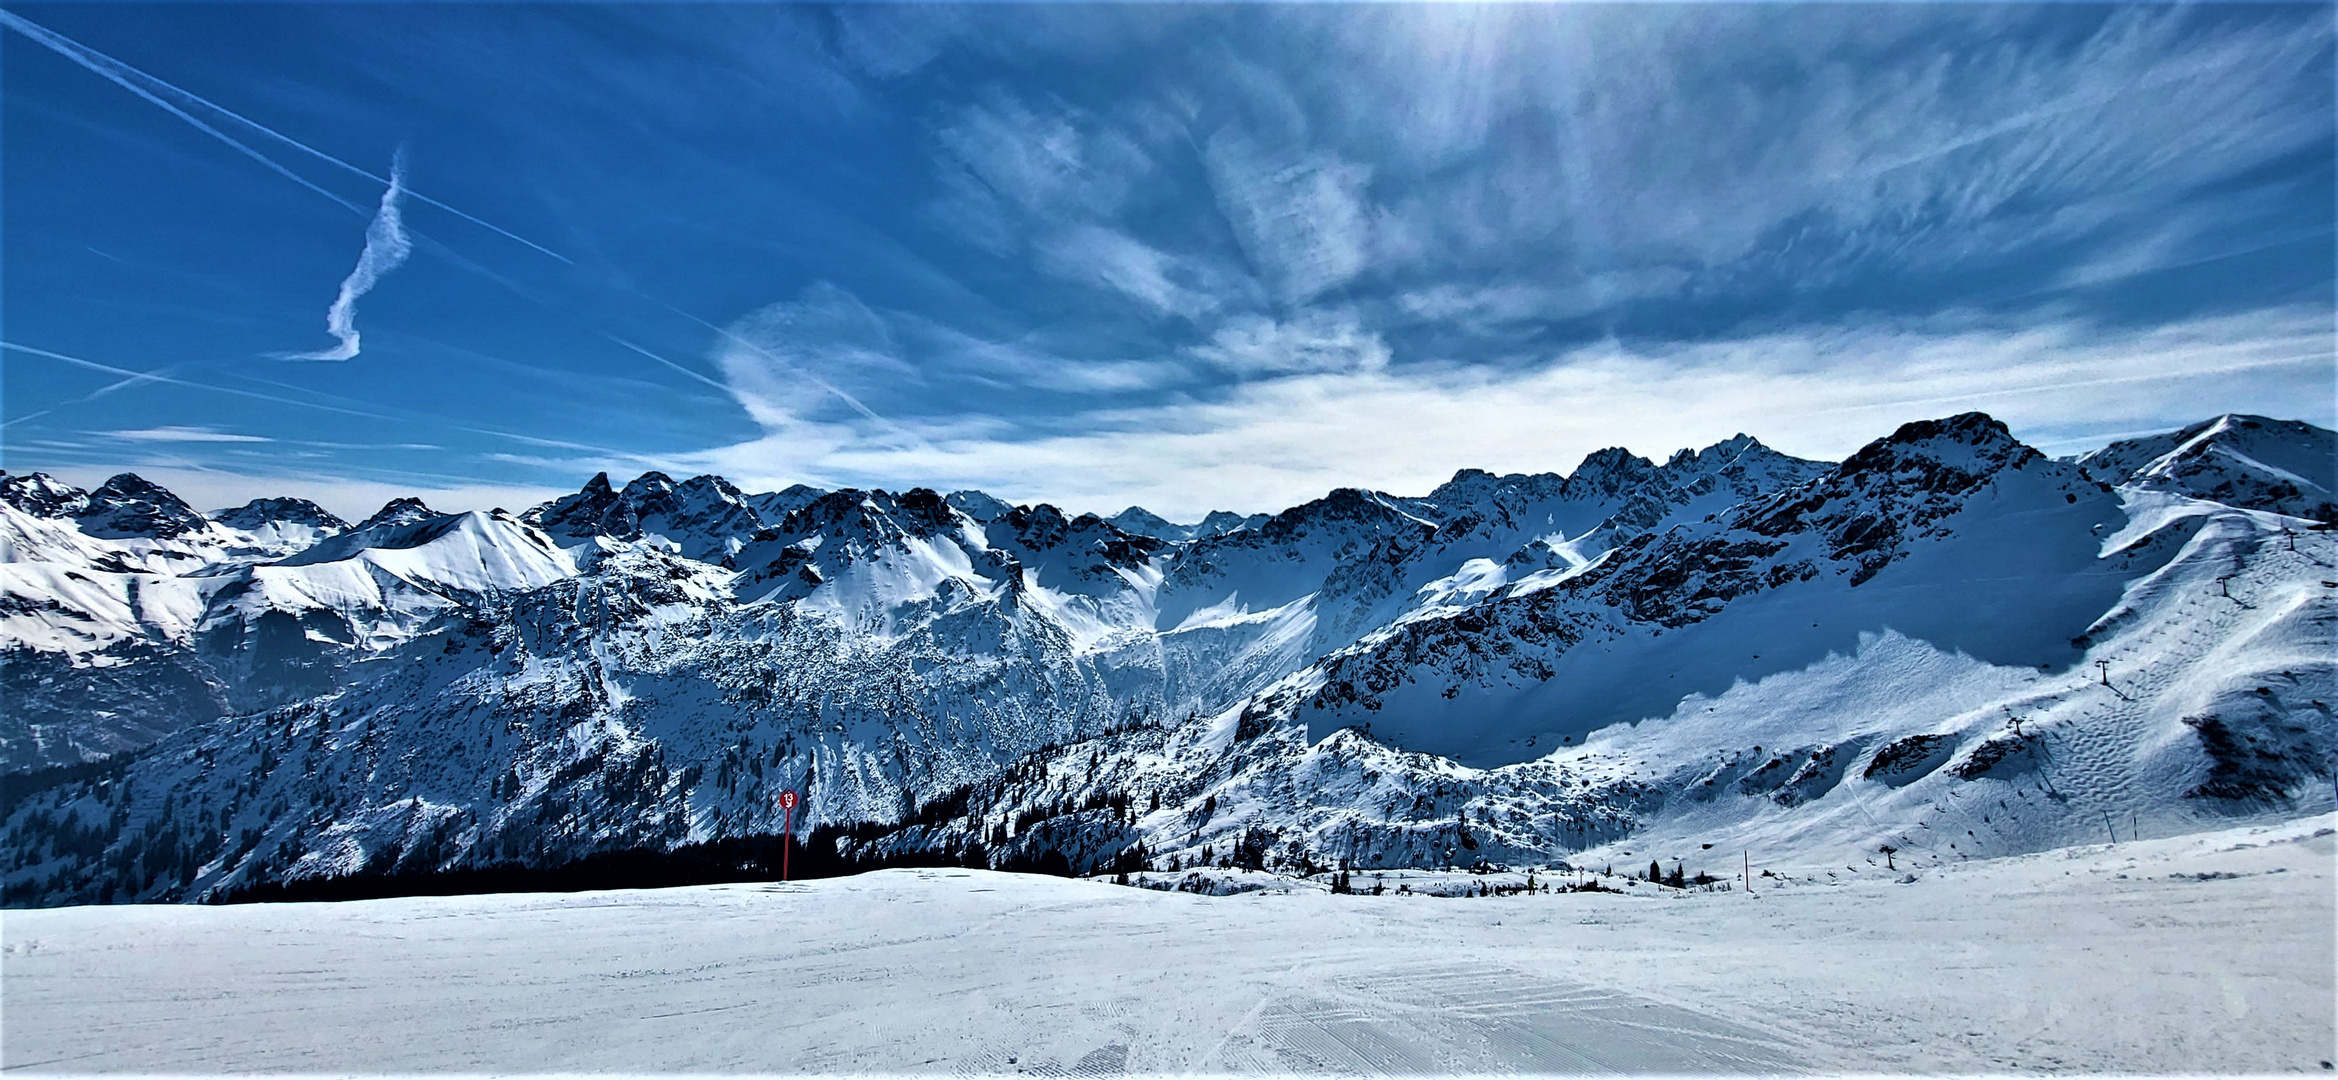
138	82
161	375
122	75
65	47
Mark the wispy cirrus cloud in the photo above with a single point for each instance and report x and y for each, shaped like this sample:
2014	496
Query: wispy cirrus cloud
176	434
1250	242
1272	443
1165	283
1309	342
1008	163
793	359
1914	137
1302	216
1049	183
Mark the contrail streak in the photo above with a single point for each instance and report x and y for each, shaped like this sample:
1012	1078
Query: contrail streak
660	359
386	246
65	47
119	73
157	376
122	74
149	376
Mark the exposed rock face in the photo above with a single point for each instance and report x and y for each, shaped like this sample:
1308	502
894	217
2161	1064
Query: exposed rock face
2283	466
128	506
704	517
398	513
42	495
260	513
1520	668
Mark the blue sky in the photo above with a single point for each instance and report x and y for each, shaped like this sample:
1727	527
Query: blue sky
1185	256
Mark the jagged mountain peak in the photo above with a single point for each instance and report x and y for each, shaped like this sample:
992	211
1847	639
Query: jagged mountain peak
711	484
774	506
1949	436
1992	551
399	512
1042	526
260	513
1952	454
1734	450
980	505
42	495
875	512
705	516
655	491
468	552
648	482
1138	521
1474	486
1341	505
395	532
2255	462
128	505
926	508
1725	449
1221	522
1611	460
1905	485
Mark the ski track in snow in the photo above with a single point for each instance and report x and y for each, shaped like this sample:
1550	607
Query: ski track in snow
2205	953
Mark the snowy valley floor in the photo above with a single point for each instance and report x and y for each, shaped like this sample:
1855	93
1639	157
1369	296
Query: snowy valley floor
2204	954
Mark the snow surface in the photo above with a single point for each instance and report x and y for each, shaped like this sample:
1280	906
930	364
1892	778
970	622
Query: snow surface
2209	953
1510	669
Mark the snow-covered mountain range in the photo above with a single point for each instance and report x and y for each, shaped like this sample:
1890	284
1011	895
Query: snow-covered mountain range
1948	644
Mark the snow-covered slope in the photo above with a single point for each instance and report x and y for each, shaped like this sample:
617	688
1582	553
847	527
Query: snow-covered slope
2248	461
2215	635
1952	533
272	528
42	495
470	552
131	506
110	642
1732	647
704	517
2201	955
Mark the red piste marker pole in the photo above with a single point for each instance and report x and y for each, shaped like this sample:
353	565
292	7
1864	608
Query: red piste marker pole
787	829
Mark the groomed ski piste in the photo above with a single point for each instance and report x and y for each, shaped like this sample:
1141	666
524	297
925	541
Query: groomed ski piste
2209	953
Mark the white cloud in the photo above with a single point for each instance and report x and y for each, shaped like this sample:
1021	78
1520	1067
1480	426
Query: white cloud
1485	306
1302	216
1164	282
386	246
1272	443
799	358
1589	138
1309	342
1008	364
1043	163
181	435
1015	176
